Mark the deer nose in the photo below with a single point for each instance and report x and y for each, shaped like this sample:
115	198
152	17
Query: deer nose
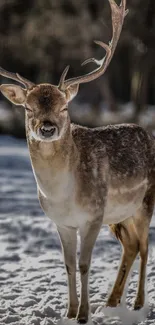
47	129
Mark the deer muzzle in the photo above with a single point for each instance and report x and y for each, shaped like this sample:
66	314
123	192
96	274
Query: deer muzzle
48	130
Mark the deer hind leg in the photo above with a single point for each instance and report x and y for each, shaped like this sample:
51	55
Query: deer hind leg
130	244
142	222
140	298
133	235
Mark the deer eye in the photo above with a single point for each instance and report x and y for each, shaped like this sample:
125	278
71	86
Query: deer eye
28	108
64	109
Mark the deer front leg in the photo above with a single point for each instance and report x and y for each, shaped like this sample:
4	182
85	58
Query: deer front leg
88	235
68	239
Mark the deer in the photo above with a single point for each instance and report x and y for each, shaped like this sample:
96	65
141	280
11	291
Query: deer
89	177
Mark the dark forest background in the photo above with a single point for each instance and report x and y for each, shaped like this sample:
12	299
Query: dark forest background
39	38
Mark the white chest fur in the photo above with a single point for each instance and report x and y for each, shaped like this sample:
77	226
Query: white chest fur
58	201
67	214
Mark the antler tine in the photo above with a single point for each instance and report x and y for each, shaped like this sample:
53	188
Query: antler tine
15	76
62	78
118	14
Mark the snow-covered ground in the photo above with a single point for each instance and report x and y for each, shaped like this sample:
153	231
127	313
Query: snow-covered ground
33	287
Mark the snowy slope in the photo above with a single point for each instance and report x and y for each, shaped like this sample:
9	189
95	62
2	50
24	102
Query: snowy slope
33	287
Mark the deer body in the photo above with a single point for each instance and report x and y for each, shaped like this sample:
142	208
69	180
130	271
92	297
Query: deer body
87	181
86	178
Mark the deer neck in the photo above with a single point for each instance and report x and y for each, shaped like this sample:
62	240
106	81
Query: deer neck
53	162
54	154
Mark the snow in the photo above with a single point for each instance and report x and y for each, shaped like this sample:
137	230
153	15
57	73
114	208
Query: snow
33	286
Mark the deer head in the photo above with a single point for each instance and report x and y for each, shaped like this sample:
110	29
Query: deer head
46	104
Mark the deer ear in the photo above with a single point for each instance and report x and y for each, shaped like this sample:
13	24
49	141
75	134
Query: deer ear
16	94
71	92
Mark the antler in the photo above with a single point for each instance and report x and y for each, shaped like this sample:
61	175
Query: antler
118	14
15	76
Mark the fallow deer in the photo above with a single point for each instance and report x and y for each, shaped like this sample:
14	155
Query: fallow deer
89	177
